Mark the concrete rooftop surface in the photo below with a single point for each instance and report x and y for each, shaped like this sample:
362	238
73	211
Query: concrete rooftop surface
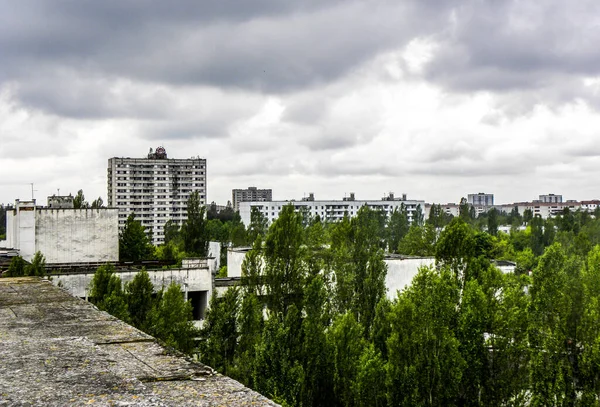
58	350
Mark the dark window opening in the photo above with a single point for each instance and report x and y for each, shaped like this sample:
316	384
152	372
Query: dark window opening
199	301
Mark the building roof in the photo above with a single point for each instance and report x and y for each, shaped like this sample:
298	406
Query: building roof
58	350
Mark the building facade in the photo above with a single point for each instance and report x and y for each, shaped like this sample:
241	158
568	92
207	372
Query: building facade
251	194
62	235
481	199
155	189
329	210
551	198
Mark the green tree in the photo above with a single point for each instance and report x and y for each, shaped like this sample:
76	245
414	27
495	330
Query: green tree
194	231
552	331
397	228
317	386
285	268
79	201
172	232
17	267
370	379
425	365
464	210
419	241
134	244
250	322
106	291
418	216
346	340
171	320
277	373
259	224
97	203
589	380
536	243
220	331
492	222
527	215
140	301
507	343
37	266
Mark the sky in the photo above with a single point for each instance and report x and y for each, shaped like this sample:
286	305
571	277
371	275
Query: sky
435	99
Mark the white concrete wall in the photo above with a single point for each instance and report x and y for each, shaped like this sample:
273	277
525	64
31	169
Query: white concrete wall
235	258
214	251
24	225
196	280
9	242
77	235
402	271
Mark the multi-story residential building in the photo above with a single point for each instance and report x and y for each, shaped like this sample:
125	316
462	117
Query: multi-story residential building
551	198
155	189
252	194
481	199
330	210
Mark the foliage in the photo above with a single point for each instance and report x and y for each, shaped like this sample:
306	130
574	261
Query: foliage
140	299
97	203
171	320
79	201
134	243
16	267
311	324
194	231
220	329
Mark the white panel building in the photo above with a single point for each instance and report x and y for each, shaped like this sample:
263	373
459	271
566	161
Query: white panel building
330	210
62	235
155	189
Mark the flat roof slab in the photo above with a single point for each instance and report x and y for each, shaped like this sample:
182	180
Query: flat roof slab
58	350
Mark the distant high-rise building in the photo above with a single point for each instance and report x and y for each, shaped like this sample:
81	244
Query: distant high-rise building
551	198
252	194
481	199
155	189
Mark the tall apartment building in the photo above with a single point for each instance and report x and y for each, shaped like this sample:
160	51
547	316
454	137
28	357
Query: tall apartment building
481	199
252	194
155	189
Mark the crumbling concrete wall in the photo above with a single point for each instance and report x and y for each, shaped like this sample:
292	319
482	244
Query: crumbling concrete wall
77	235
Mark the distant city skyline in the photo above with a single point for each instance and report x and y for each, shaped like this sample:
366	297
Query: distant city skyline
433	99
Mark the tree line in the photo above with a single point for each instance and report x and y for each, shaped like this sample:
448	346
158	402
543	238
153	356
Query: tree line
311	324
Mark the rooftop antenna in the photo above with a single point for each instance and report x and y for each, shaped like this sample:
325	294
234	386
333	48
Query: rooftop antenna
32	190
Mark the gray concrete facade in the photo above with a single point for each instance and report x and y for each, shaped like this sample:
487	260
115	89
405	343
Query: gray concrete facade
62	235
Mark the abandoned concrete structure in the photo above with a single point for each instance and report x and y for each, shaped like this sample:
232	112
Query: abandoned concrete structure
58	350
195	277
155	189
62	234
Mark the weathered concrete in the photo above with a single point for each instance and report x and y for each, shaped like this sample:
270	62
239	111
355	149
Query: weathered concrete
63	235
57	350
190	279
235	258
77	235
402	270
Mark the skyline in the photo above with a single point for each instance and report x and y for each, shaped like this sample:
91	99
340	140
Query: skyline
433	99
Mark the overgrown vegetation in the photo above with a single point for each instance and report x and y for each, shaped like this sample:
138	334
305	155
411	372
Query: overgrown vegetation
164	315
311	324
